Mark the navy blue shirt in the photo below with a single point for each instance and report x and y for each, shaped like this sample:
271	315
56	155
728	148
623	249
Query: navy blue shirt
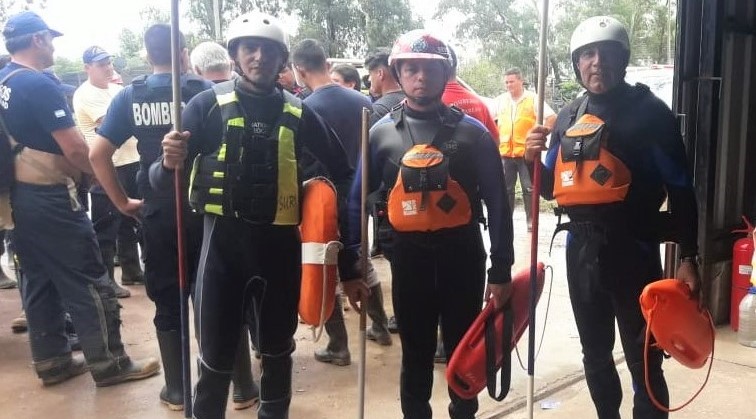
33	107
118	124
341	108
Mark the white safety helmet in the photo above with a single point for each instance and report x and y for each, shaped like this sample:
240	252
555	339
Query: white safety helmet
598	29
256	25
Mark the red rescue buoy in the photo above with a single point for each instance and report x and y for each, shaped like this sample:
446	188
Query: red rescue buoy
466	373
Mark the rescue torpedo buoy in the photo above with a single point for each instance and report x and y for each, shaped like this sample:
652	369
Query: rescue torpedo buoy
467	371
319	230
680	328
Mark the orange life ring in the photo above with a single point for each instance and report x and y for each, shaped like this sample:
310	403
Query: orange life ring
466	373
319	230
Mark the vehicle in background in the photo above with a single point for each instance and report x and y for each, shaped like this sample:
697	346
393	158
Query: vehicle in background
659	78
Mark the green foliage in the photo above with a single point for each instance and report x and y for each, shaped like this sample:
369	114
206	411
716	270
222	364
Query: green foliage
11	7
347	28
385	20
65	65
338	24
508	32
131	43
483	75
201	13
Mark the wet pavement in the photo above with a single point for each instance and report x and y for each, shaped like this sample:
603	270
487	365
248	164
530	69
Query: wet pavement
323	391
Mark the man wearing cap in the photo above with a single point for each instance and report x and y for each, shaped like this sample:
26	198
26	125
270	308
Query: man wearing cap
615	156
90	103
144	110
54	239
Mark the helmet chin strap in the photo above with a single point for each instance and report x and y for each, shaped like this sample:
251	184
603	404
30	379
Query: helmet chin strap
425	101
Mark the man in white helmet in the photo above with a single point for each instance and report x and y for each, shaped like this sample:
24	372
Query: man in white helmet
246	139
615	155
131	114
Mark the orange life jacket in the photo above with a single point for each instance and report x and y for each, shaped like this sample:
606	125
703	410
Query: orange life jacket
514	129
586	172
425	198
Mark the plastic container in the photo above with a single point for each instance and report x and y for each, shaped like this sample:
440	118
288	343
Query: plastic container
747	328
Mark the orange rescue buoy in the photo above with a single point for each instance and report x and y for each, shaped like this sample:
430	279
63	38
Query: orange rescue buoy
679	326
319	230
469	370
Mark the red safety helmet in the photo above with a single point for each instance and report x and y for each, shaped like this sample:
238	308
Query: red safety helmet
419	43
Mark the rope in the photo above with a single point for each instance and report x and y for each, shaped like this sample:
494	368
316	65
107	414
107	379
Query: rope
645	363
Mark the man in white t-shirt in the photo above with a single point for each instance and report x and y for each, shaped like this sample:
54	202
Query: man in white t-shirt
114	230
515	114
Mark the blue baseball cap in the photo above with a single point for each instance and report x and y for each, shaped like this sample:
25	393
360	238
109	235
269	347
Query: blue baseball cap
94	54
26	23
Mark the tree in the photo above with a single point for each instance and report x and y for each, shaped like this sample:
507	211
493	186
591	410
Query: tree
385	20
508	31
130	43
483	76
338	24
10	7
202	13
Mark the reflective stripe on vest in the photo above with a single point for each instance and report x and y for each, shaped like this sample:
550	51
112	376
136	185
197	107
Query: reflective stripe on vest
514	130
226	184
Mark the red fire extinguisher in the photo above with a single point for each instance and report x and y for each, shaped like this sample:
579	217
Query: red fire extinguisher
742	252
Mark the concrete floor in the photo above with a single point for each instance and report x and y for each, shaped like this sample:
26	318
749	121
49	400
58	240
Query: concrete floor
327	392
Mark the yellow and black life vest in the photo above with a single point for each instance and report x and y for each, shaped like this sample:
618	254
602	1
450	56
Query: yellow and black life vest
250	177
586	172
425	197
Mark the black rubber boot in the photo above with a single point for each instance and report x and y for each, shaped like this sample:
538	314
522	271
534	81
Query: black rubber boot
275	384
211	393
378	332
337	350
131	270
108	255
246	393
172	394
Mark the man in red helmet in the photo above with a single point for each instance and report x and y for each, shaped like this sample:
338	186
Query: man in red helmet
448	163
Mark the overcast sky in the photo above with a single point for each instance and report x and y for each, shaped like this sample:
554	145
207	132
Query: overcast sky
81	26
